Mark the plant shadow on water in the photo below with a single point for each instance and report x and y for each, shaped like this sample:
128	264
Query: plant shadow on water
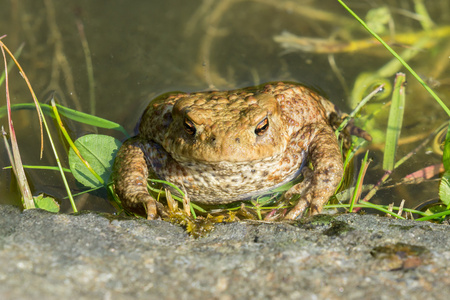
102	60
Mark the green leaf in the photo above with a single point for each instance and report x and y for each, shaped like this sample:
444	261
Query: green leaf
46	203
446	153
444	189
394	122
435	210
378	18
100	151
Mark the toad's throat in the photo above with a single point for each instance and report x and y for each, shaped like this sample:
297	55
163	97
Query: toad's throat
224	182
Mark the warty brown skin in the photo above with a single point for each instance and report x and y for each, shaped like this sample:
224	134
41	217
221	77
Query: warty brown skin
228	146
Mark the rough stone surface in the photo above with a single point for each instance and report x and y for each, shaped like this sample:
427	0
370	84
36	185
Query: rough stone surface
94	256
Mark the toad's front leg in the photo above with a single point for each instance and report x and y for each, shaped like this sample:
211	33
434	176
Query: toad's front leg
320	183
130	179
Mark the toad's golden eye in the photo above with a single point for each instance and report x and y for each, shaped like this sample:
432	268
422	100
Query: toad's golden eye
189	126
262	127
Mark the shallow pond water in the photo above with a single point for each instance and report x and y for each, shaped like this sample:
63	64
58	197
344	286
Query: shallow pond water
141	49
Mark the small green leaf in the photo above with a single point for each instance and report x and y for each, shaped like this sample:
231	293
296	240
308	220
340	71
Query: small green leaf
446	153
46	203
100	151
444	189
378	18
435	210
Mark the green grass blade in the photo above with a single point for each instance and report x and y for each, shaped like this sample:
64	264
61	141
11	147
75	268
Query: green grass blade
384	208
169	184
381	208
395	122
90	119
53	168
434	216
359	182
70	114
192	205
58	161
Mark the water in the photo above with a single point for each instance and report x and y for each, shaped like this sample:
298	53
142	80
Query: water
141	49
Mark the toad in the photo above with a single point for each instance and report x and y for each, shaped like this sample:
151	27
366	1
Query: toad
227	146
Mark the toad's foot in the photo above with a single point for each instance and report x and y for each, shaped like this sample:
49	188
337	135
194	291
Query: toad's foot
130	179
320	184
301	188
312	201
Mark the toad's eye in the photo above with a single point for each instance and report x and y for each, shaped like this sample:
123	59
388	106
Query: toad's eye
262	127
189	126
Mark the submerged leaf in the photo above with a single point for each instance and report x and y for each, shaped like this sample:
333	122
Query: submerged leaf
378	18
446	152
100	151
46	203
444	189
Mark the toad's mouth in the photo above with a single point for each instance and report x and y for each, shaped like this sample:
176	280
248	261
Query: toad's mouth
224	164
